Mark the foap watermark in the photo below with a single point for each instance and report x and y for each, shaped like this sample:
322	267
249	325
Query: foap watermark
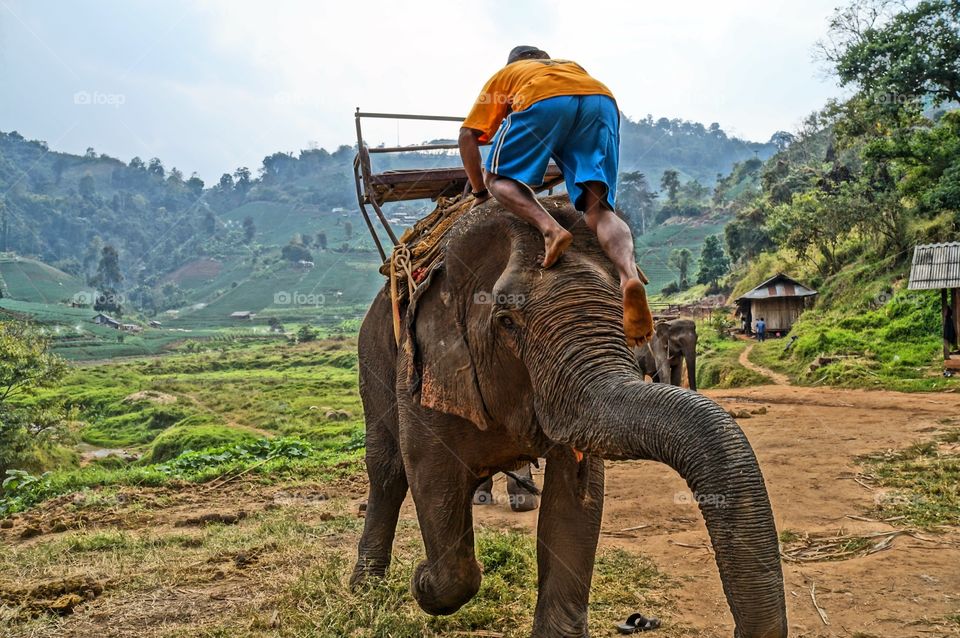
513	500
98	98
889	295
501	299
703	500
285	298
98	299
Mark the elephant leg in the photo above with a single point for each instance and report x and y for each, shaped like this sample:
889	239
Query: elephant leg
388	488
567	533
484	493
450	576
522	500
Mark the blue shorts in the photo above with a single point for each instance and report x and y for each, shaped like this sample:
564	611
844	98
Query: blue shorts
581	133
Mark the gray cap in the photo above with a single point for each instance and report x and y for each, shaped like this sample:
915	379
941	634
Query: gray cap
526	53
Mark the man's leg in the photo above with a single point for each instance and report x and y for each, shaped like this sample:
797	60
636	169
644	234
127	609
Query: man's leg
617	242
520	200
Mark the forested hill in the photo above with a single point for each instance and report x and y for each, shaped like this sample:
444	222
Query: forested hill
63	208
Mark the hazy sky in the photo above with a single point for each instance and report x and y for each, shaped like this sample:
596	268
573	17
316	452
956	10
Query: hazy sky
211	85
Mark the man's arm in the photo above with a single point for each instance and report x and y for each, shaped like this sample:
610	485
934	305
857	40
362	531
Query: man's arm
470	155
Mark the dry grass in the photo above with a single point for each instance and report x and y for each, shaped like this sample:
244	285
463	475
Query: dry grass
282	571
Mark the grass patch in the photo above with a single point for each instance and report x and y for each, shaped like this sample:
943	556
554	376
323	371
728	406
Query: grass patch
718	364
924	479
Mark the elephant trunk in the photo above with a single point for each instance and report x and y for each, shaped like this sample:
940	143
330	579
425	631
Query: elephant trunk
616	416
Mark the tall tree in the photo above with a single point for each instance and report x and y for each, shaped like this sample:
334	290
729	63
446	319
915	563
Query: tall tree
679	260
27	364
249	229
107	282
713	263
892	53
635	198
670	182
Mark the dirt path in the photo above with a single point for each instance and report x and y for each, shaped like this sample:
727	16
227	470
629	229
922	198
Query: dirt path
776	377
807	442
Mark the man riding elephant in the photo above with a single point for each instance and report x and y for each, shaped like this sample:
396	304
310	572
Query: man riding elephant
537	108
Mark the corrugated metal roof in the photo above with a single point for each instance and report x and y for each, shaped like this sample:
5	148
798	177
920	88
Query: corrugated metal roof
935	266
779	285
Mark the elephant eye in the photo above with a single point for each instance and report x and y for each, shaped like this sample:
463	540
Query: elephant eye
506	320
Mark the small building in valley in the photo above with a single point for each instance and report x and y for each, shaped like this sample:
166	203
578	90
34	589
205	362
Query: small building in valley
105	320
937	267
243	314
779	300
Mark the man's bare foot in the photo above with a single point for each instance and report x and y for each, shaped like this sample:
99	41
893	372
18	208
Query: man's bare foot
637	318
554	244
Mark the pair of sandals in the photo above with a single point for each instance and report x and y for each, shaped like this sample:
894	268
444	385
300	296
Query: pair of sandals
636	623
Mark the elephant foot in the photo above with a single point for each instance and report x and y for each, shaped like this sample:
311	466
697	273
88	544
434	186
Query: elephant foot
366	570
453	592
637	318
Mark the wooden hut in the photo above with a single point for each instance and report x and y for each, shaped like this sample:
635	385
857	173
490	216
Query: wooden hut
779	300
937	267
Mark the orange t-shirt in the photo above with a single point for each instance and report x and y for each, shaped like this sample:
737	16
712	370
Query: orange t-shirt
518	85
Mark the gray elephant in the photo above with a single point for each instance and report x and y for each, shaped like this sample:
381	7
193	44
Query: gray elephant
522	491
674	343
501	362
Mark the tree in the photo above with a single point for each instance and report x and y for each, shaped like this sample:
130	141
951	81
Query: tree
210	223
322	240
87	187
294	252
107	280
636	199
226	182
137	164
242	177
155	167
670	182
306	333
895	55
679	260
27	364
781	140
249	229
348	229
195	185
713	263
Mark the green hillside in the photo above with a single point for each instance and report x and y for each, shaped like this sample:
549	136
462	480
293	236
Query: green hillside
26	279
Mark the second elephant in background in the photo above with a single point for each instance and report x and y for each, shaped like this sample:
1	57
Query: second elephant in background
674	343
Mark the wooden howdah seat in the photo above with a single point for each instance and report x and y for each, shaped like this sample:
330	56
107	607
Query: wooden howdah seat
376	189
430	183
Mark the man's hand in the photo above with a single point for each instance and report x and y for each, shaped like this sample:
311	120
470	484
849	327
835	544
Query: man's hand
470	155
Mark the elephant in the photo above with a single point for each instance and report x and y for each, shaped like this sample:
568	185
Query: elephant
521	498
674	343
501	362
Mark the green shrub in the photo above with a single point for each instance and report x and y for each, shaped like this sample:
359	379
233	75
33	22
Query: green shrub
187	436
134	428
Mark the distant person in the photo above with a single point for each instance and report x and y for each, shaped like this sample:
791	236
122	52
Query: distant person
761	329
537	108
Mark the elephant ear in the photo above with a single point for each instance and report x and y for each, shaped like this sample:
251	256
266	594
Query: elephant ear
440	372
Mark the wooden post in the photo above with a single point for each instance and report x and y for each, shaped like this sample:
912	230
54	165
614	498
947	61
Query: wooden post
955	294
943	321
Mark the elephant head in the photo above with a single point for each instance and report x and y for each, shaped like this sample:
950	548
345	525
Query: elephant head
541	355
675	344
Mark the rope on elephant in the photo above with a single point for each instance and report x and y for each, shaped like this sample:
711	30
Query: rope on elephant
420	248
